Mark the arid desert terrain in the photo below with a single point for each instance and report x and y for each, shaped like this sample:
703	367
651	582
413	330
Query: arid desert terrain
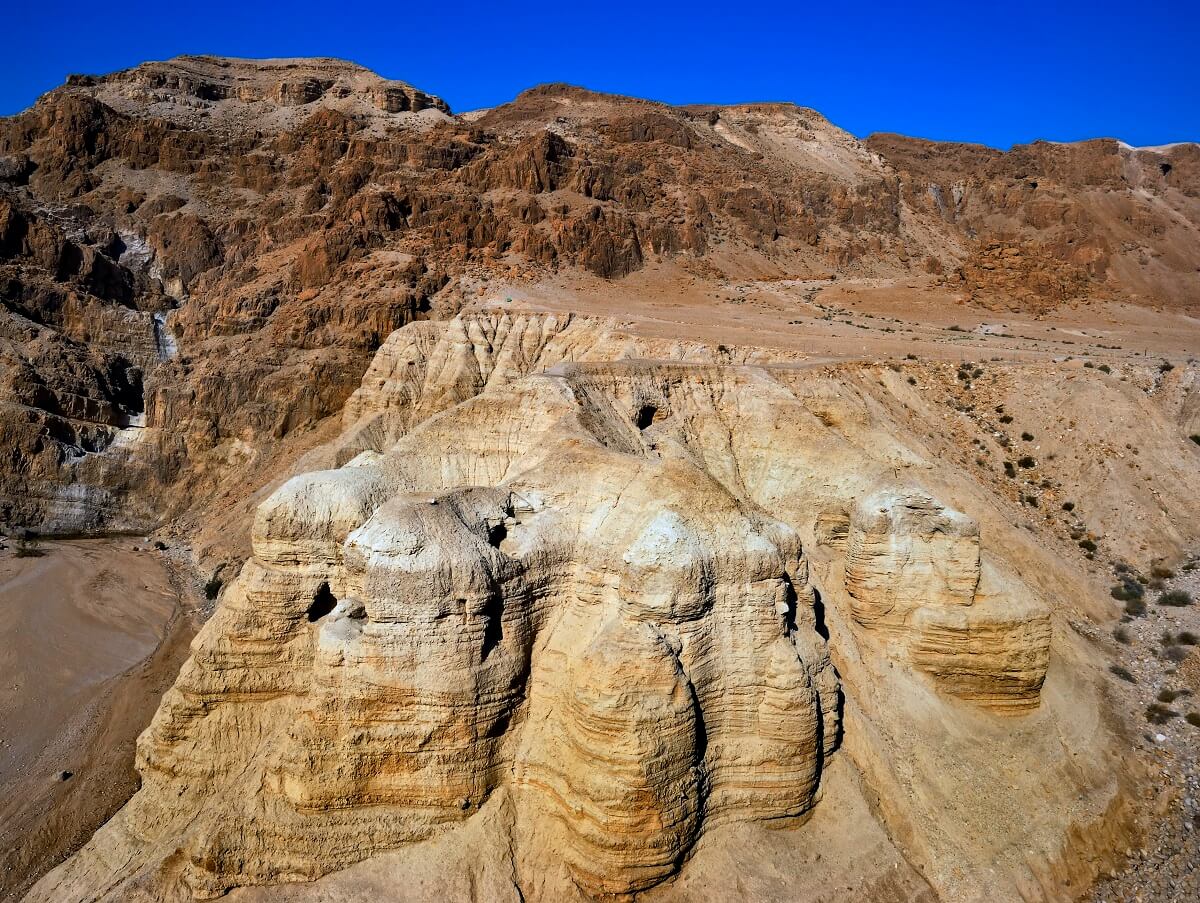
588	499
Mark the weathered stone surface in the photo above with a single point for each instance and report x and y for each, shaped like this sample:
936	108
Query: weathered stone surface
914	574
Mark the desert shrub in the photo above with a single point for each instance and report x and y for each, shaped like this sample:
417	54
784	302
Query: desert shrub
1123	636
1135	608
1127	588
1123	673
1028	437
1187	638
1031	501
1087	545
28	546
1089	365
1169	696
1027	461
1009	469
1157	713
1175	598
1166	367
910	357
1007	418
912	380
1104	368
1176	654
1068	506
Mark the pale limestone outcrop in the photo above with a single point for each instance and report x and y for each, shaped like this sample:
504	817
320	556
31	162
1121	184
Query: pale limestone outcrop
575	602
914	575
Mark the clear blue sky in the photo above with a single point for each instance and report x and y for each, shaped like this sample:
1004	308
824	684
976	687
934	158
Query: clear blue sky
998	73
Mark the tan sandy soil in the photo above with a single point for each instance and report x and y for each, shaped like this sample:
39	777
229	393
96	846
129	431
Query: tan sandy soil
855	319
91	633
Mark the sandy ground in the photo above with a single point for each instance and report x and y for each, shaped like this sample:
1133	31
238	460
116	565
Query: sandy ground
856	319
91	634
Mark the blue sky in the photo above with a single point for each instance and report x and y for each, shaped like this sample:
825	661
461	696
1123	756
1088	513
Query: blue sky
994	73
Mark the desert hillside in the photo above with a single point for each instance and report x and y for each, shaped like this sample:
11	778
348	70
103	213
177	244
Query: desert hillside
600	499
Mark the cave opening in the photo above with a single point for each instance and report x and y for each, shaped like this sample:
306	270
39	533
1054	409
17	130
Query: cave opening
1165	167
322	604
497	535
647	415
493	629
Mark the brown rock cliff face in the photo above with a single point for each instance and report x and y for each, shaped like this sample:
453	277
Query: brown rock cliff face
199	257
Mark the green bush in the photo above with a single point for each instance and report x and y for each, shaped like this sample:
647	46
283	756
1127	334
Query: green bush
1175	598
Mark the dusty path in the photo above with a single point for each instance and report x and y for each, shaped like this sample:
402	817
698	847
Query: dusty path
91	634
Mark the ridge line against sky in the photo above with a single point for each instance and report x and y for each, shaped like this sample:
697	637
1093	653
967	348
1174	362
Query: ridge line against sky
988	74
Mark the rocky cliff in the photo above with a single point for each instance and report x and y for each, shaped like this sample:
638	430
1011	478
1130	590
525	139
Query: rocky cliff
198	258
577	604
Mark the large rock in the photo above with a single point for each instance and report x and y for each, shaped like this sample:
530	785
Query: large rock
914	574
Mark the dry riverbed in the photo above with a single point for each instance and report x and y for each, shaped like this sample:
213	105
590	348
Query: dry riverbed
92	632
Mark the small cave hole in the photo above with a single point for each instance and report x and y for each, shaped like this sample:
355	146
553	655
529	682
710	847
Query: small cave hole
497	535
493	630
1033	186
322	604
819	615
1165	167
647	416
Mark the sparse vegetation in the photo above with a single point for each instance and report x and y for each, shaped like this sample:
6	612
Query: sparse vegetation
1157	713
1068	506
1104	368
1175	598
28	545
1122	636
1087	545
1127	588
1135	608
1007	418
1123	673
1192	718
1187	638
1027	437
1027	461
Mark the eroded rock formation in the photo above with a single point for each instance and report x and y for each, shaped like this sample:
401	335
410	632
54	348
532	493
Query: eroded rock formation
579	596
914	573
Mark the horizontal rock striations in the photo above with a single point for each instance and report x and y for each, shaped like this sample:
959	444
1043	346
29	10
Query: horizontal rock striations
914	576
577	597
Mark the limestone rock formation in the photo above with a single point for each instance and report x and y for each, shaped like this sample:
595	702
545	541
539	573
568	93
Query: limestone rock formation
577	600
914	573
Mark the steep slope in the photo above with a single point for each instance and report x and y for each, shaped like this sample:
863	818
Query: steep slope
199	257
595	612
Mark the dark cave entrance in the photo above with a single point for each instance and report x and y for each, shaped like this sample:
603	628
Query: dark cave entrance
322	604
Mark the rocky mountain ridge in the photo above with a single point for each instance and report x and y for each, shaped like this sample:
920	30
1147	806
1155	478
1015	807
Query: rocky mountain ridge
200	256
